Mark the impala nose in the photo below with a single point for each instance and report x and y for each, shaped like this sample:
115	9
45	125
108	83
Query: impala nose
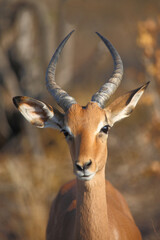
84	166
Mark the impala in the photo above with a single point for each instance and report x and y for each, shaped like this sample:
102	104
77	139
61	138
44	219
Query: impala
89	207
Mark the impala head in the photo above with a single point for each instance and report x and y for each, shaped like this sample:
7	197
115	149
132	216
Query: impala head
85	128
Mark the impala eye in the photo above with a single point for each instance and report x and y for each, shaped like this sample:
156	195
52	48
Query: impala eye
66	134
105	129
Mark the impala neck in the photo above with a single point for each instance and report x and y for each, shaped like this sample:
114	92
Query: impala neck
91	213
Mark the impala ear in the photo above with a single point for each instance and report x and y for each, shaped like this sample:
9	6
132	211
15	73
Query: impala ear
38	113
123	106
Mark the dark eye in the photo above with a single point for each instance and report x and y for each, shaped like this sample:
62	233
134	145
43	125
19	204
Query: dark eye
66	134
105	129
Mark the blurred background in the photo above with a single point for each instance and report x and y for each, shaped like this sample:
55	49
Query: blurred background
34	163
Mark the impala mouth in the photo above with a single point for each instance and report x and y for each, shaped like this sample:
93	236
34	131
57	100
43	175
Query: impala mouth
85	177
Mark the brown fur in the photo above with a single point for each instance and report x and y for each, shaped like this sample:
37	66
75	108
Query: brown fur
63	215
88	208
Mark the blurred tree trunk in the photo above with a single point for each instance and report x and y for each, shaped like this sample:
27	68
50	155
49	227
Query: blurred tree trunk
28	40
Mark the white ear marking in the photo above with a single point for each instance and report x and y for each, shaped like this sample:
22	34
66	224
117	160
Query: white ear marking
124	105
38	113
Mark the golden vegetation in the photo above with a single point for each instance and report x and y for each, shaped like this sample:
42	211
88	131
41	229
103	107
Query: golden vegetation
149	41
35	163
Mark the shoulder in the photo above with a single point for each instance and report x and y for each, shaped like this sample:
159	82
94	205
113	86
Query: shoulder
65	197
62	212
69	187
116	200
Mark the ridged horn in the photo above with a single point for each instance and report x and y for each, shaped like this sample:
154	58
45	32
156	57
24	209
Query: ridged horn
112	84
61	97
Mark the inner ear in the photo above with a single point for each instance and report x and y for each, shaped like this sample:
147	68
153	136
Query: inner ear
123	106
38	113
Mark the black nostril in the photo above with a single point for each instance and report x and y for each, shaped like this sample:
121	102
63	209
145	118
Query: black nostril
79	167
87	164
84	166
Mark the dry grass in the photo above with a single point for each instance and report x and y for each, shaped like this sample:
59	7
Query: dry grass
32	170
27	187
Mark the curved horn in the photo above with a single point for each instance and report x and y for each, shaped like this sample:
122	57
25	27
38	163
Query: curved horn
112	84
62	98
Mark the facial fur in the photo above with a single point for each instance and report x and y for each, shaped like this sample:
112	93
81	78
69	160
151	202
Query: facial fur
86	140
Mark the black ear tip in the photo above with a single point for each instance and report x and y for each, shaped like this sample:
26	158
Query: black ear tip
99	35
16	101
146	85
